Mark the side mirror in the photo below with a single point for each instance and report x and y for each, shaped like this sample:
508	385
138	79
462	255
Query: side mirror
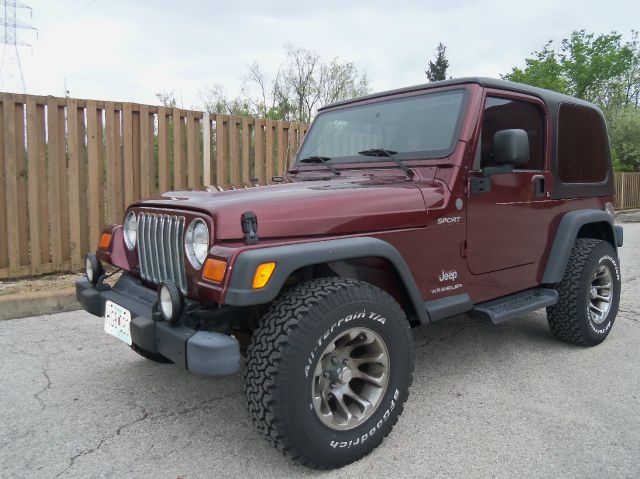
511	147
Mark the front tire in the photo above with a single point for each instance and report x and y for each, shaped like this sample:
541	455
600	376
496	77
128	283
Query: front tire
328	371
589	294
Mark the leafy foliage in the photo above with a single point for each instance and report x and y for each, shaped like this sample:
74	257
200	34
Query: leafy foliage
595	67
543	70
625	138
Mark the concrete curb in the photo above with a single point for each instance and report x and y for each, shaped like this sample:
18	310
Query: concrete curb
22	305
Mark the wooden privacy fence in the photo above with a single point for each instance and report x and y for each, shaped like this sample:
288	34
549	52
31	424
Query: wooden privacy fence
627	190
69	166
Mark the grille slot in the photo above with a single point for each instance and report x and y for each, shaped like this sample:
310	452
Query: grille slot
160	248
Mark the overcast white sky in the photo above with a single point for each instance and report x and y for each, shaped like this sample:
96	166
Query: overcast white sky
127	50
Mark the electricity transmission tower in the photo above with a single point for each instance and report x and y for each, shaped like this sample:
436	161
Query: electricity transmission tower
11	75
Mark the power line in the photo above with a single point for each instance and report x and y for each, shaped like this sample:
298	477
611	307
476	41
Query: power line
10	63
91	2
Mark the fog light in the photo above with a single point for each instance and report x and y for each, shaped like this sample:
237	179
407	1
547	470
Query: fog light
92	268
169	302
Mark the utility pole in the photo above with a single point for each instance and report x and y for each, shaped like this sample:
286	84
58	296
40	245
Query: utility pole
11	74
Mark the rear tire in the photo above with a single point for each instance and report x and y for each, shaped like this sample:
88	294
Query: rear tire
328	371
589	294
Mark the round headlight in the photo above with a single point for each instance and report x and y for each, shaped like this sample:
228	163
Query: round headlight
196	242
130	230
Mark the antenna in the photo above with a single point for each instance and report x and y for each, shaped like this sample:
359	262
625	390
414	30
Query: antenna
10	65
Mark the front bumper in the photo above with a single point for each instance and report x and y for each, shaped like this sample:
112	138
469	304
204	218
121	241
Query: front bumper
201	352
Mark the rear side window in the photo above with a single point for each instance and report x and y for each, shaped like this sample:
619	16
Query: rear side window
583	148
505	114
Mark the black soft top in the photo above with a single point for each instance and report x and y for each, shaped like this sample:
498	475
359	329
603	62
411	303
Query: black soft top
551	98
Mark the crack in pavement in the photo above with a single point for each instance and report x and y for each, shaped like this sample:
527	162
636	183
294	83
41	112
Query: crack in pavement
144	416
72	460
635	318
204	404
43	390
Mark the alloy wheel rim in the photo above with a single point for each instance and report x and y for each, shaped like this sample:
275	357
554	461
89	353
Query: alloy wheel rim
350	379
600	294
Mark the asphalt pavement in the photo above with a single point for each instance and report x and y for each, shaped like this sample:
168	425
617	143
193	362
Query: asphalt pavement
487	401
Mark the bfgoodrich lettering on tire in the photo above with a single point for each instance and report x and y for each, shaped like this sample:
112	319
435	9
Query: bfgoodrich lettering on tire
328	371
589	294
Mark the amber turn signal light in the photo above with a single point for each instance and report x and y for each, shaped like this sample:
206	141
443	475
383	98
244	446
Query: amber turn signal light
105	240
263	275
214	269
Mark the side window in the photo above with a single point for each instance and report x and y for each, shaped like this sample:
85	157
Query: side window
504	114
583	148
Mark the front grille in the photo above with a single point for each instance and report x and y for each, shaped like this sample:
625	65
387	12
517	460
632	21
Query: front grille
160	239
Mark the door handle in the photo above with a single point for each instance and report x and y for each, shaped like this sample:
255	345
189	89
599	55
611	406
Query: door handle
539	186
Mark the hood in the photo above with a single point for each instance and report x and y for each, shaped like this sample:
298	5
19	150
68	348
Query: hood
311	208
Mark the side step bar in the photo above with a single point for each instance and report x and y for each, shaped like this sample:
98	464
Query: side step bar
515	305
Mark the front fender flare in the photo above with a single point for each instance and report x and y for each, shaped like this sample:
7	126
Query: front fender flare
292	257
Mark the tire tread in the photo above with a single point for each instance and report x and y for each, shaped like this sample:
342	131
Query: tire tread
281	326
563	316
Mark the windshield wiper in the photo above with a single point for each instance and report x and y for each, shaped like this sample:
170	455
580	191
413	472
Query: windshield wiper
381	152
324	160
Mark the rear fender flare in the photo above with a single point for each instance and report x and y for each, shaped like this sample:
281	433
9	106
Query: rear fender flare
565	238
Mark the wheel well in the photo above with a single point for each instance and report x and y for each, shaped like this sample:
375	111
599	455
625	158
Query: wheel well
377	271
601	230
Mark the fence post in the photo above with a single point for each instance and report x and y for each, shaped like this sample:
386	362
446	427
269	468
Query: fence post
33	190
221	149
94	147
206	149
246	146
258	142
73	129
163	150
11	183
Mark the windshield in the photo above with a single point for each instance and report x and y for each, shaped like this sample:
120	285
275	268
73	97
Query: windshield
416	127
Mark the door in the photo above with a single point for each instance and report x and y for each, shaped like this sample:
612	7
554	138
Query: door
507	225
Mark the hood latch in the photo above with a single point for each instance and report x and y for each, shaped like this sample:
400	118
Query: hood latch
250	227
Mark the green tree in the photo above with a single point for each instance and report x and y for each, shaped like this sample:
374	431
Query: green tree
624	132
438	70
595	66
543	70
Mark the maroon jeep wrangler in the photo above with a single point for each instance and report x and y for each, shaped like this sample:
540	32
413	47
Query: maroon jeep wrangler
401	208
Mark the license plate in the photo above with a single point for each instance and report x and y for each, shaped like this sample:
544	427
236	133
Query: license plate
117	321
